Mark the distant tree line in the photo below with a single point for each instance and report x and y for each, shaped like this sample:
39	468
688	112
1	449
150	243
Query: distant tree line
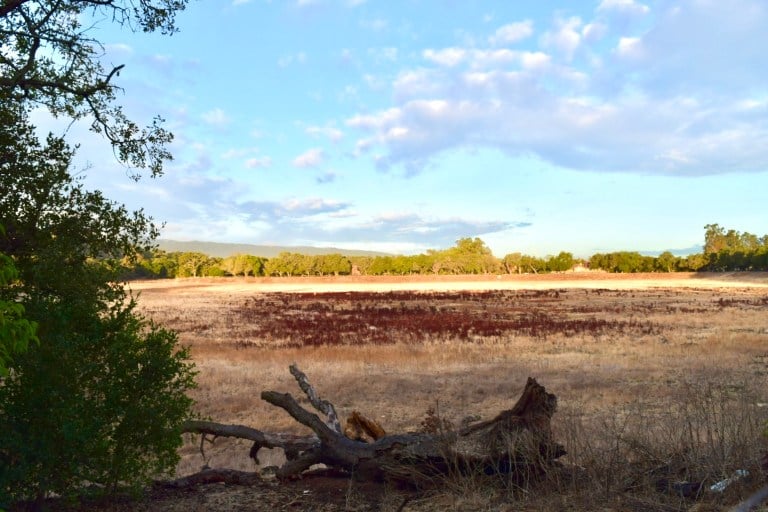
723	251
732	250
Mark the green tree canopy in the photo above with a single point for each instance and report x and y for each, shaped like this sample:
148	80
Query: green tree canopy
101	397
560	263
48	57
733	250
16	332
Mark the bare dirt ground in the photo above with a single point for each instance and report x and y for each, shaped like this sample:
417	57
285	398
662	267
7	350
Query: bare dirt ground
632	359
590	280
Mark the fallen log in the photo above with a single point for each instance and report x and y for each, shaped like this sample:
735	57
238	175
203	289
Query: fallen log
211	476
517	441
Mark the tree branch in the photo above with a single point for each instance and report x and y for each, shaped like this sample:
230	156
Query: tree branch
291	444
324	406
9	6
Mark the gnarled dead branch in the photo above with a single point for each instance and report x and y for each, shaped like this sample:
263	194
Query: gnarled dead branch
517	441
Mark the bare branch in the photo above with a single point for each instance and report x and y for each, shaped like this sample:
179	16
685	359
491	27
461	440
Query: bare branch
324	406
292	444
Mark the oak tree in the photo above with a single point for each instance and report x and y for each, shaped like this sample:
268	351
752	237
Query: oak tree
100	398
49	58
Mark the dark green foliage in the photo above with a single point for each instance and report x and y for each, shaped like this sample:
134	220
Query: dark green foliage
622	261
99	400
560	263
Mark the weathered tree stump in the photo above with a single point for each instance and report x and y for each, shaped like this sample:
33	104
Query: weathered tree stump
517	441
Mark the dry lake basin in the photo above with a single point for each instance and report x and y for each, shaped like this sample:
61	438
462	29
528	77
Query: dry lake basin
650	370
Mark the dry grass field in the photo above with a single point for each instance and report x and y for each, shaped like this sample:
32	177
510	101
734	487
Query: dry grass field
661	379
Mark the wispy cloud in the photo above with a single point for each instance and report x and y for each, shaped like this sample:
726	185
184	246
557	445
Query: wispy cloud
329	132
216	117
629	7
292	209
310	158
512	33
258	162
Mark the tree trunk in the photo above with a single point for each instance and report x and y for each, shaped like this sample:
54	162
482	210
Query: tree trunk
517	441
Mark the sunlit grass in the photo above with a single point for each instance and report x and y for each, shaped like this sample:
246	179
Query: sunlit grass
688	387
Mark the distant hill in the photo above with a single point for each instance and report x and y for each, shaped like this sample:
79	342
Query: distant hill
222	250
695	249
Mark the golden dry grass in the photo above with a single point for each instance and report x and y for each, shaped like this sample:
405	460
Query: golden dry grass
694	391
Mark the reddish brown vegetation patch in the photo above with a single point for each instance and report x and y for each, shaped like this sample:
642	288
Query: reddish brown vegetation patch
351	318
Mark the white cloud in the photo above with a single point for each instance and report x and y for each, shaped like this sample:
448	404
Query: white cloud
594	31
330	132
375	121
416	83
116	48
491	58
629	7
258	162
397	132
534	60
565	37
310	158
477	58
311	206
446	57
216	117
663	96
629	47
512	33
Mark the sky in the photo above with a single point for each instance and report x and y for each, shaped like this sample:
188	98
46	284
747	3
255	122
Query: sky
404	125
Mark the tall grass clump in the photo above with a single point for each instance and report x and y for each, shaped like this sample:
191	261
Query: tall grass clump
667	449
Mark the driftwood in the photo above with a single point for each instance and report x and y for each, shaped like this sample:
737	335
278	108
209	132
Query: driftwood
517	441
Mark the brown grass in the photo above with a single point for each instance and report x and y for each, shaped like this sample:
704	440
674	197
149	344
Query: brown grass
654	382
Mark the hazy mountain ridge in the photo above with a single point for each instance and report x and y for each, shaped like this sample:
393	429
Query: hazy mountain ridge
222	250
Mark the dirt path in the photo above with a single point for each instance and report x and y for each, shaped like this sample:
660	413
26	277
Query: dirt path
589	280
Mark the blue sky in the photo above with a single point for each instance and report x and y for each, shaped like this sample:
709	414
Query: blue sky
585	126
